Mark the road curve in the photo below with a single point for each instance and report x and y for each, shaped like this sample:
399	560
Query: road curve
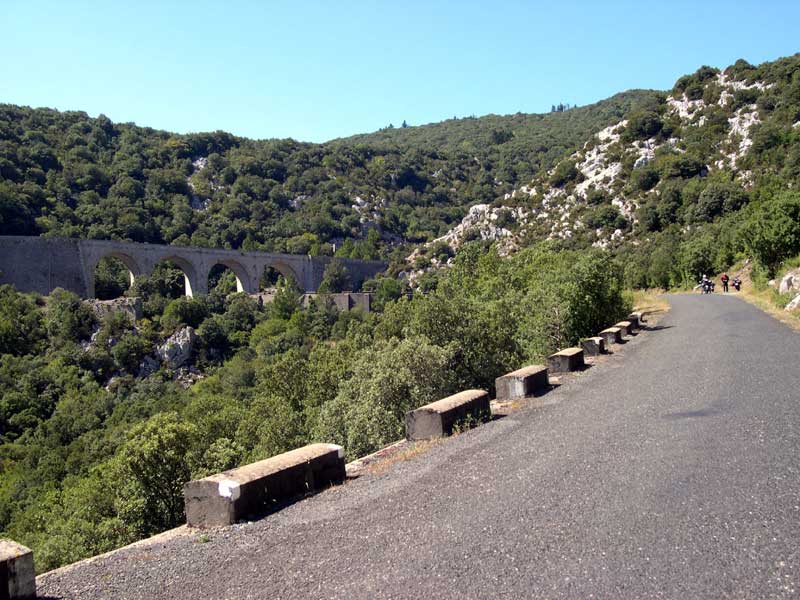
670	471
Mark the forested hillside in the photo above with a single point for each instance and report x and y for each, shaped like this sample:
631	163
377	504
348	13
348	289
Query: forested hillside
70	175
520	234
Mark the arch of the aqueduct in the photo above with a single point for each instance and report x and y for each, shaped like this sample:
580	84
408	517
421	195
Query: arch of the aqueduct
42	264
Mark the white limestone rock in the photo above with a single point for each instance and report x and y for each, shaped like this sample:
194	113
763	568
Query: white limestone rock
177	350
790	282
129	306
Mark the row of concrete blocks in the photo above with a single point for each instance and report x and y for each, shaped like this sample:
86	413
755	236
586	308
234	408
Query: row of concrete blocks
440	418
256	489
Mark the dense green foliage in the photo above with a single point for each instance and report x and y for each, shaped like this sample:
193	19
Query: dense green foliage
70	175
95	450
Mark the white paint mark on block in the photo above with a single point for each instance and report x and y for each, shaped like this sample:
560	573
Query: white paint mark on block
338	449
229	489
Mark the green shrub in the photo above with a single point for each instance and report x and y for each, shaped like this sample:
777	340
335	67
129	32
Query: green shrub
564	173
771	231
642	125
67	318
335	278
21	326
644	178
184	311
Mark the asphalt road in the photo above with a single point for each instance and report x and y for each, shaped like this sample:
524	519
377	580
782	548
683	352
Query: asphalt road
670	471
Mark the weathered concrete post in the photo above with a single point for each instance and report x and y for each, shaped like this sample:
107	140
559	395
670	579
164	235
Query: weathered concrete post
638	317
522	382
569	359
625	327
17	575
255	489
612	335
439	419
593	346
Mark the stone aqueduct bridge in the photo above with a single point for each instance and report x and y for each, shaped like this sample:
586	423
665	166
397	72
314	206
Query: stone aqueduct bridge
37	264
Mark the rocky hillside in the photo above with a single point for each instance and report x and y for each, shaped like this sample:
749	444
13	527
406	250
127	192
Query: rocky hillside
676	162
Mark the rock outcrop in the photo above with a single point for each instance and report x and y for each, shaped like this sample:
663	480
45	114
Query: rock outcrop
130	306
790	282
177	349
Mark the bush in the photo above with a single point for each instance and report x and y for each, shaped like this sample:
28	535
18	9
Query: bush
644	178
719	197
389	379
605	217
21	328
744	98
184	311
129	351
67	318
335	278
156	460
771	231
111	279
642	125
565	172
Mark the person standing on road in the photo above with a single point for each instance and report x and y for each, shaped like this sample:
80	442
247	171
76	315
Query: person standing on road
725	280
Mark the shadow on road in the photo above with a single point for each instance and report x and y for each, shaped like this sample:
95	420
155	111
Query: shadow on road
691	414
659	327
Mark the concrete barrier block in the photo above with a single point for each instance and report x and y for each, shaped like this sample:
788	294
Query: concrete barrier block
593	346
522	382
612	335
640	316
438	419
625	326
633	319
569	359
17	575
253	490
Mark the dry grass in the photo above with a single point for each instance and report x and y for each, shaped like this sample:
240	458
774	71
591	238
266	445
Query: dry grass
765	300
413	450
650	301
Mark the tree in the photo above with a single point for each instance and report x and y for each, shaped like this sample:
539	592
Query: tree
565	172
111	278
157	459
21	330
642	125
389	379
67	319
335	278
772	230
719	197
184	311
286	300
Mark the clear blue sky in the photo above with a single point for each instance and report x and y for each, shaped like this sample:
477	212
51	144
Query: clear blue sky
319	70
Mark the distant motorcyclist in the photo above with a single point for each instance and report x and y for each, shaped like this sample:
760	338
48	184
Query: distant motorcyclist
724	279
737	284
706	285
